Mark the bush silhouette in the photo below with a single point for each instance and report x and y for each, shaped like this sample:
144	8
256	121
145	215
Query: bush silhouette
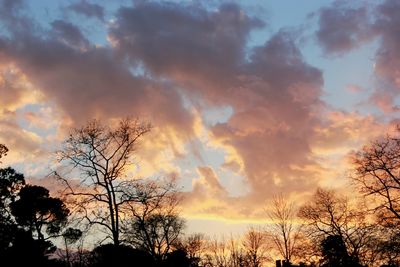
120	256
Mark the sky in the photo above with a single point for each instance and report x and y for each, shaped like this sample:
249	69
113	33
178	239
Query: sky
248	99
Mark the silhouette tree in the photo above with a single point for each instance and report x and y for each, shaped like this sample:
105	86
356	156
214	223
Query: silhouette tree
102	154
37	211
335	254
230	253
157	234
18	214
254	245
283	230
153	223
194	245
70	236
377	173
223	253
389	247
177	258
26	251
3	151
17	246
330	215
10	184
120	256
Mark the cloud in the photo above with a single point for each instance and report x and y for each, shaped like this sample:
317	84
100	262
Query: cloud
69	34
43	119
80	80
354	89
92	82
343	28
170	63
209	199
24	145
344	131
387	62
87	9
200	49
163	53
383	98
209	179
15	90
272	122
274	118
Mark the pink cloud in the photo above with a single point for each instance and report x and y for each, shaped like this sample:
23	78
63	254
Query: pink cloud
343	27
167	59
355	89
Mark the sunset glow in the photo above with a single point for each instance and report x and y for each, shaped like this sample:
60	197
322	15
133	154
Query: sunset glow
247	99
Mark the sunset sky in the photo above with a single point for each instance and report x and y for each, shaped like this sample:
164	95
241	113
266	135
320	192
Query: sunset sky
248	98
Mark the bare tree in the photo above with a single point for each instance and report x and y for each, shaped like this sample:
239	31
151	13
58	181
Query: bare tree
248	251
237	255
224	253
194	245
389	247
155	225
330	215
102	155
254	245
377	173
159	234
69	236
283	230
217	254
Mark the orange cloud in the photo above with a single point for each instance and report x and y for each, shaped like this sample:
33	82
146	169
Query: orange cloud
280	136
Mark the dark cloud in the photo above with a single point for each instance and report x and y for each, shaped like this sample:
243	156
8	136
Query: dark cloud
387	61
342	28
13	18
166	58
10	7
274	93
90	82
161	53
70	34
273	126
94	83
90	10
196	47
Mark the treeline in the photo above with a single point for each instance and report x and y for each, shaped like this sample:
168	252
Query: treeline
136	222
